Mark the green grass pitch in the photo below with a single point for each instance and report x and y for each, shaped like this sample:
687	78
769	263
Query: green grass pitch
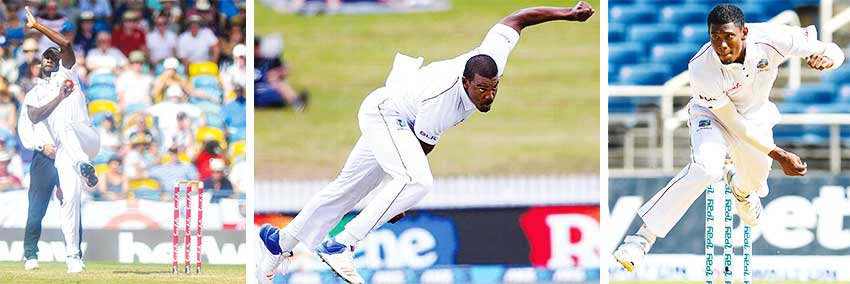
112	273
545	119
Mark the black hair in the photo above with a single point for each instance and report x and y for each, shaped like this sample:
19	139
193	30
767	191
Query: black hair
481	64
51	52
726	13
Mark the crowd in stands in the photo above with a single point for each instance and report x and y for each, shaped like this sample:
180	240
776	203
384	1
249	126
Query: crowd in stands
270	86
165	84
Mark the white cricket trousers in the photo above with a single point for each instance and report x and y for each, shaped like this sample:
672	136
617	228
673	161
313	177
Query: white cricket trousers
78	142
710	143
386	146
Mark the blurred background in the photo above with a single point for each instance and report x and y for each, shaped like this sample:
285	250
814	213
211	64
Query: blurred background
165	84
650	43
516	195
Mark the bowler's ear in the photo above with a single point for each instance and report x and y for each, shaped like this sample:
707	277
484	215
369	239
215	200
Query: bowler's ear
746	30
465	82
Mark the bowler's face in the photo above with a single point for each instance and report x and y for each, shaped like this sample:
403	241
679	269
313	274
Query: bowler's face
727	40
481	91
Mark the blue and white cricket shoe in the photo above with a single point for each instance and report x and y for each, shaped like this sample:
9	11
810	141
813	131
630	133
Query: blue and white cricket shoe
270	259
340	258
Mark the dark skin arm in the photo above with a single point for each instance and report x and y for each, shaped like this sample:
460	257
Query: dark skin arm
68	58
37	114
536	15
427	148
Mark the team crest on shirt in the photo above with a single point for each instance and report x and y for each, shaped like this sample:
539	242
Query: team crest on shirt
762	65
703	124
402	124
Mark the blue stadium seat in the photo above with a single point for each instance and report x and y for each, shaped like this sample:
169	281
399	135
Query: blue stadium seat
675	55
812	94
631	14
844	95
684	14
694	33
756	12
815	134
657	2
134	108
619	2
644	74
102	92
236	134
829	108
102	157
214	92
837	76
214	119
613	73
616	32
621	105
102	79
205	81
652	34
624	53
788	107
769	8
785	133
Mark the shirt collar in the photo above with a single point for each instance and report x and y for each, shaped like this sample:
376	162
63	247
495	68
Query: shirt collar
753	56
464	97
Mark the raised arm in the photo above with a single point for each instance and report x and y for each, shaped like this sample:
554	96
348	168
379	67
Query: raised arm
536	15
68	58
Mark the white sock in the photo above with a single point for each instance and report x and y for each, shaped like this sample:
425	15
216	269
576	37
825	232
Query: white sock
646	234
286	241
346	238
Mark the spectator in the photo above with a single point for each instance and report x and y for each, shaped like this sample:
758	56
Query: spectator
234	37
211	150
331	6
139	125
172	170
138	158
235	115
133	86
197	43
69	30
170	77
210	18
52	18
16	163
31	79
234	74
218	183
129	36
184	137
8	65
101	9
29	50
8	108
239	177
270	87
172	13
86	37
105	58
8	180
167	110
113	185
162	41
110	138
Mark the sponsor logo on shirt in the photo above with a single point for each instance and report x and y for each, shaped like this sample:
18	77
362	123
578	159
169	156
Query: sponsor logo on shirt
428	136
762	65
401	123
734	88
707	99
703	124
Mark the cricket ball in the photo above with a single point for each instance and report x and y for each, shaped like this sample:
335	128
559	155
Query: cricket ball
68	83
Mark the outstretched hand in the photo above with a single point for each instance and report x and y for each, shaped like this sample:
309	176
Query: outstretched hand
791	164
31	21
581	12
819	62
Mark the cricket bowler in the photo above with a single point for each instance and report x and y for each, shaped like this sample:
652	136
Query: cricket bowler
400	123
730	114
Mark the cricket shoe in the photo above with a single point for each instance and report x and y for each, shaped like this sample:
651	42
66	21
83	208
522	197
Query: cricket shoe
87	171
340	258
749	207
31	264
631	252
271	260
75	264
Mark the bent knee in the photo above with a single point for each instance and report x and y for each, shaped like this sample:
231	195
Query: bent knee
709	173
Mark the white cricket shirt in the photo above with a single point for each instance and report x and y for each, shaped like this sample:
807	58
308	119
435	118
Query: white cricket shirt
31	135
73	109
432	98
748	85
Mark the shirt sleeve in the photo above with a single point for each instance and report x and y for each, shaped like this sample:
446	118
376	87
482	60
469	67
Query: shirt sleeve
25	130
797	41
498	43
705	92
429	123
